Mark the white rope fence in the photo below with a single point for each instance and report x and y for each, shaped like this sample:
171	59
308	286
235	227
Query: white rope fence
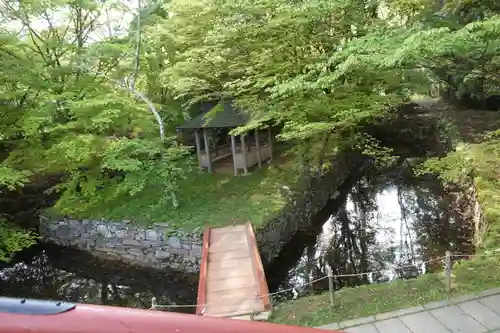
332	276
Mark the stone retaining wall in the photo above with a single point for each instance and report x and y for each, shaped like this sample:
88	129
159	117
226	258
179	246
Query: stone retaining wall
155	246
476	214
466	204
480	225
306	203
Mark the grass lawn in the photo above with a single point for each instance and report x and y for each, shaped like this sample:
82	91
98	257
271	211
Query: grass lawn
469	277
210	199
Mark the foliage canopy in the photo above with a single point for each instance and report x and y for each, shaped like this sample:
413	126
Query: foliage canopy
78	103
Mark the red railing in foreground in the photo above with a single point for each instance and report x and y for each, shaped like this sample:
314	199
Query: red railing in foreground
202	283
259	274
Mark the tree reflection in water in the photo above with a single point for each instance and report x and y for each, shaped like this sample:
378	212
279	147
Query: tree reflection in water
390	223
50	272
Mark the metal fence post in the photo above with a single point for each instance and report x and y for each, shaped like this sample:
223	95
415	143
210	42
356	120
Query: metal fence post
330	284
448	271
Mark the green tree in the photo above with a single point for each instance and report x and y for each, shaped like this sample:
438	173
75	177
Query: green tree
102	113
327	68
292	61
72	109
13	239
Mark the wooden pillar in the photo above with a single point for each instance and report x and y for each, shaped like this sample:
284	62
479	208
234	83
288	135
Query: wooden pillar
244	152
257	144
214	145
270	134
233	150
207	150
198	146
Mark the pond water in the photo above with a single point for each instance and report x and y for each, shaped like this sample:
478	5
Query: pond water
51	272
389	223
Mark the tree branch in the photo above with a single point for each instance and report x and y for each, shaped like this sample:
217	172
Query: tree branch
151	106
137	46
123	84
131	86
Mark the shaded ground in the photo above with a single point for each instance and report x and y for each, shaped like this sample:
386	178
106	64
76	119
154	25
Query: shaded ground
470	124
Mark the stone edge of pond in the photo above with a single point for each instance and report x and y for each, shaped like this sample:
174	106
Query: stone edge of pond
157	245
303	205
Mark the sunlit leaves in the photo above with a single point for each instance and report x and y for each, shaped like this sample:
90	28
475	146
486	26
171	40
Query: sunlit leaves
13	239
64	111
11	178
281	55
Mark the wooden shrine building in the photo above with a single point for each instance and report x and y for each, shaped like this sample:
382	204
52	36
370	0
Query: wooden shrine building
217	150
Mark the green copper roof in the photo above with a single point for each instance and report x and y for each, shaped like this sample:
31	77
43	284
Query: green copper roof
223	114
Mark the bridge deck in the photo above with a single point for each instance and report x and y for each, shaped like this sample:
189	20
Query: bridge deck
232	281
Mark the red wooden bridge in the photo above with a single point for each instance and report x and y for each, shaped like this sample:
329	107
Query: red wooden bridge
232	280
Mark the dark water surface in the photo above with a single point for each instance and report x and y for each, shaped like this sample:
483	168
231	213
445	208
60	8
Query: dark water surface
388	223
51	272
